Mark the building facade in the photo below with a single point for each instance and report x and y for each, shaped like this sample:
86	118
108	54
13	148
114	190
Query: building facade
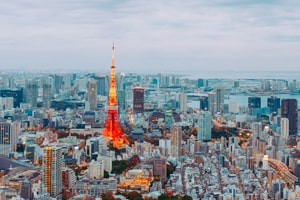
289	109
138	100
204	126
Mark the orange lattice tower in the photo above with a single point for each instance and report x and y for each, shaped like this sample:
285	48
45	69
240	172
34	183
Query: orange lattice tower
112	130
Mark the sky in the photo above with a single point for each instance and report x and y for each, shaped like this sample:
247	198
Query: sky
157	36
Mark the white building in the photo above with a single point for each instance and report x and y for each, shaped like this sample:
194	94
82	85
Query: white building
6	103
233	107
96	169
8	137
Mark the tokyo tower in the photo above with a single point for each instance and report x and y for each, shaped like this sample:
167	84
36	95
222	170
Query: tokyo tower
112	130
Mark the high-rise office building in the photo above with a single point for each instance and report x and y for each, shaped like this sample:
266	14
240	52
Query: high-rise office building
200	83
284	128
253	102
58	83
53	171
26	191
289	109
6	103
256	128
138	100
101	85
160	168
8	137
31	93
46	95
121	100
220	95
182	102
92	94
96	169
67	80
17	94
203	102
273	103
204	126
212	102
176	137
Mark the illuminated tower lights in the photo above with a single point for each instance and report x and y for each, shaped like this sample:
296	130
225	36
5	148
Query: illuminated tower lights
112	130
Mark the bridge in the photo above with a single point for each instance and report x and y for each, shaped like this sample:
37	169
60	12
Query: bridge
282	170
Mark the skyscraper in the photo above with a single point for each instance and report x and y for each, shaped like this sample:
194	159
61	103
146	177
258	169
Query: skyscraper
31	94
212	102
284	128
121	100
8	137
204	126
58	83
92	94
46	95
220	94
112	130
138	100
289	109
200	83
203	102
17	94
182	102
273	103
101	85
160	168
256	128
53	171
176	137
253	102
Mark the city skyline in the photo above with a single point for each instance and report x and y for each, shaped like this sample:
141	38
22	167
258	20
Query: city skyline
150	37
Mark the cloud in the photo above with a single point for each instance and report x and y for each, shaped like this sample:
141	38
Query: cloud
150	35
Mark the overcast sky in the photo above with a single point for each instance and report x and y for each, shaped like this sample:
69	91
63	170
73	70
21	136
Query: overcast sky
150	36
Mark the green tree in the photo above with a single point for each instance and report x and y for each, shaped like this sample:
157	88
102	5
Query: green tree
186	197
163	197
133	195
106	174
119	166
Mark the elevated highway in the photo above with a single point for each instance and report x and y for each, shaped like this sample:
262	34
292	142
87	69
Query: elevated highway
282	170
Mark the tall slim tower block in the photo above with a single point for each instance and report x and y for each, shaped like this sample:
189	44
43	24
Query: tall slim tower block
112	130
47	95
284	128
138	100
176	137
220	94
204	126
182	102
53	171
31	93
289	109
212	102
92	94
